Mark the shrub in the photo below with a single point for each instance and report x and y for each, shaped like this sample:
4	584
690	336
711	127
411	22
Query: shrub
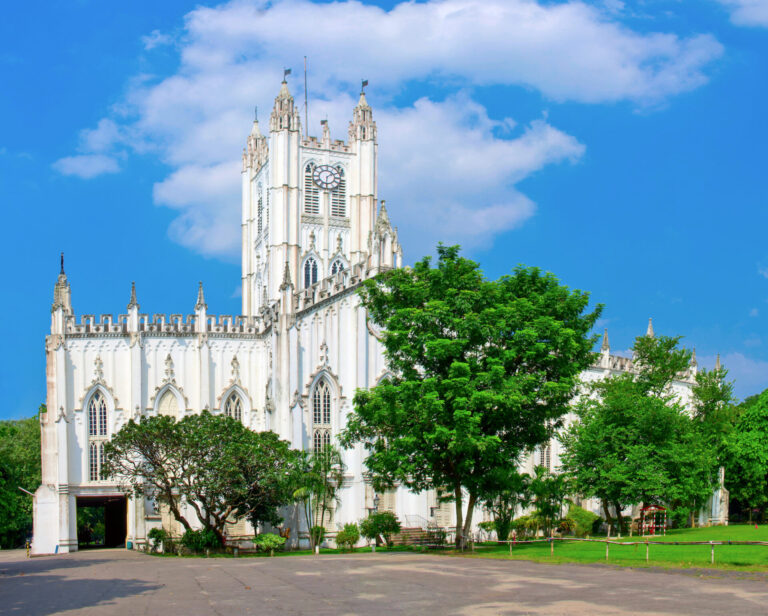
384	524
583	521
566	526
158	536
266	542
526	525
436	536
348	537
200	540
318	534
488	527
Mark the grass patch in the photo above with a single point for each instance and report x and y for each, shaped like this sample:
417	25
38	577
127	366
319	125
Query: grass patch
738	557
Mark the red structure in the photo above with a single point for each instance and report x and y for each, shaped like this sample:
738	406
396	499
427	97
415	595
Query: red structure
653	520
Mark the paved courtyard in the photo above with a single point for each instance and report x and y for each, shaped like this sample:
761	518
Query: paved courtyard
120	582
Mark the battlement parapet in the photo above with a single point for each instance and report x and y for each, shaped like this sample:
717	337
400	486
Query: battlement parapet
175	324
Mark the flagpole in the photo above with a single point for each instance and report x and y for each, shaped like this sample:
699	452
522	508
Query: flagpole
306	101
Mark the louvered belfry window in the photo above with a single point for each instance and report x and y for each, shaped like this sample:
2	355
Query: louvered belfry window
339	196
311	191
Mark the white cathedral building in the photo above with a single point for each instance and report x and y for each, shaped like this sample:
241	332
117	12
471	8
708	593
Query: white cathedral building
313	228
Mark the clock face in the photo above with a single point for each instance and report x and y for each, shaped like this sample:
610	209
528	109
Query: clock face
326	177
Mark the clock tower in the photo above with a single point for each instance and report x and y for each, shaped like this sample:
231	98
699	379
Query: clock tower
309	205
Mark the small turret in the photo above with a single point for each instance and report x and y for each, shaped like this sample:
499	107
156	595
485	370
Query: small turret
256	150
62	294
649	331
694	363
718	367
284	115
362	127
606	346
201	311
133	303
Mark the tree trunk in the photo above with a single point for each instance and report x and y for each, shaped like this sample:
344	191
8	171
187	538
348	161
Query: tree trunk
459	518
468	519
606	511
617	507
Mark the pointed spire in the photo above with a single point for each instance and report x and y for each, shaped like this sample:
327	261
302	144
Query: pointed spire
362	102
694	363
649	331
62	294
717	363
133	303
606	346
286	278
200	305
383	215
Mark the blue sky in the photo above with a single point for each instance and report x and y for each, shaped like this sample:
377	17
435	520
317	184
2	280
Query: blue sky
619	145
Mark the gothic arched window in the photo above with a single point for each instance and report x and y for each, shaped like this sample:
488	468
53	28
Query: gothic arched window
168	405
310	272
545	455
233	407
337	266
311	191
339	196
321	415
97	434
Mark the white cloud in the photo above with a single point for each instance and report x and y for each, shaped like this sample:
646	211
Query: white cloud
754	312
86	166
748	12
156	39
441	161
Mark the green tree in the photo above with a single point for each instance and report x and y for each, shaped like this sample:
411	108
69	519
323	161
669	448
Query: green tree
316	489
713	406
746	453
483	371
19	467
216	465
634	441
503	504
381	524
549	493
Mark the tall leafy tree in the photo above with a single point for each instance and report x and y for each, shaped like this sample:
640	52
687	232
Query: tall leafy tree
513	491
483	372
19	467
746	456
634	441
214	464
317	486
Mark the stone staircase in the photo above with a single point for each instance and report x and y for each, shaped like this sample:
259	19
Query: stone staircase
410	536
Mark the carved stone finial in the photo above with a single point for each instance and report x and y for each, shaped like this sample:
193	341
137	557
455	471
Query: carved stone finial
133	303
62	263
649	331
287	284
606	346
200	305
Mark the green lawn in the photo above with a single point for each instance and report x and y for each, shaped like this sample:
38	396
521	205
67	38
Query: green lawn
747	558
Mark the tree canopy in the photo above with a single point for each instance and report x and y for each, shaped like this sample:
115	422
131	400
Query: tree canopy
19	467
483	371
634	442
214	464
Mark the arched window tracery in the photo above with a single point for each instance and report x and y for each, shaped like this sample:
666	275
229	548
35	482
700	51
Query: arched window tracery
97	434
310	272
321	415
233	407
337	266
168	405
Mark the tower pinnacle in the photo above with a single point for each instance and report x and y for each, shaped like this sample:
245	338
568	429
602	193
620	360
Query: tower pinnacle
133	303
606	346
649	331
200	298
